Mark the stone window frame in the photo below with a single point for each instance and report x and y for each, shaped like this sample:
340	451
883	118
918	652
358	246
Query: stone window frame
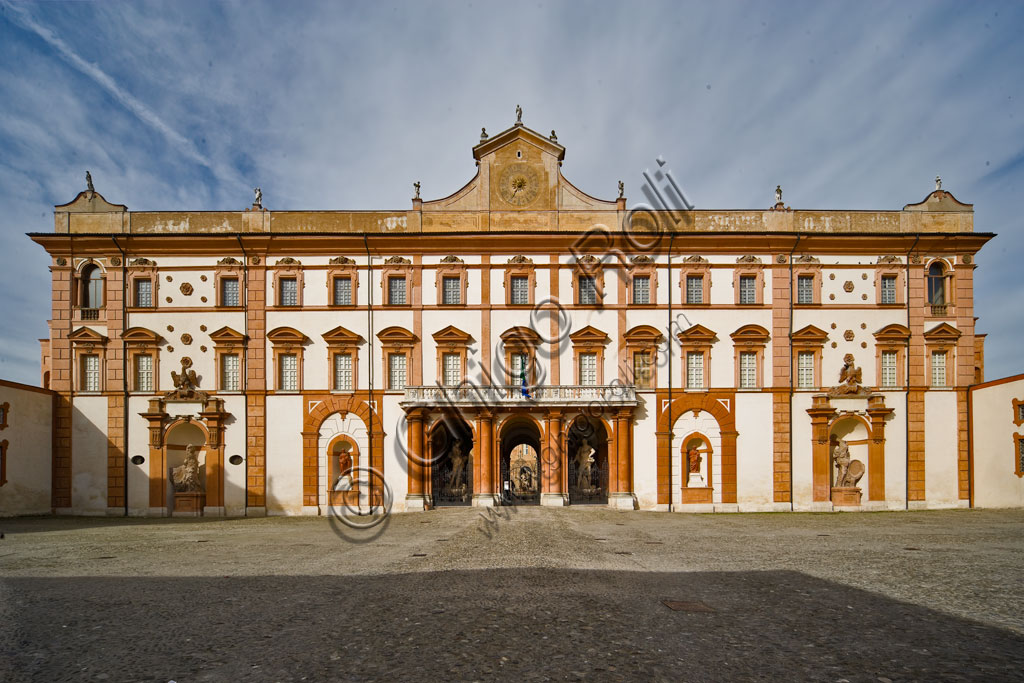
813	339
87	341
588	266
5	411
287	268
342	267
750	338
949	289
747	266
1018	443
642	265
78	292
520	266
398	340
695	266
520	340
588	340
806	265
891	266
1018	412
288	341
642	339
696	339
894	337
142	269
227	341
229	268
452	340
452	266
942	338
396	267
341	341
139	341
3	461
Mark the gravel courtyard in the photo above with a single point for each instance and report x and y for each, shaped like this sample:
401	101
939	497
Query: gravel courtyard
516	594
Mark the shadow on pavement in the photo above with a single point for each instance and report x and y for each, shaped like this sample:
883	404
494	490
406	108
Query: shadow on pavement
527	624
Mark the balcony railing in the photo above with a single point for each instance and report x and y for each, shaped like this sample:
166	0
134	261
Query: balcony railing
90	314
939	309
559	394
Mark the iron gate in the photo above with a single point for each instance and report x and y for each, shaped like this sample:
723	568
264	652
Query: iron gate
520	477
451	477
588	481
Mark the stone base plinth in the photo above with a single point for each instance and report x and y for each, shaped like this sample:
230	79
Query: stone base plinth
621	501
189	504
693	507
553	499
483	500
695	481
214	511
697	495
415	502
846	496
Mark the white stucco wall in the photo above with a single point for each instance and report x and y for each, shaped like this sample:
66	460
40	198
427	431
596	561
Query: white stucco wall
284	455
89	458
645	451
996	483
754	452
29	450
941	485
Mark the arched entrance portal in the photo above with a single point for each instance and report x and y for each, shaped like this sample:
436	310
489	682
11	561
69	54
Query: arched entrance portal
520	468
587	442
451	462
180	437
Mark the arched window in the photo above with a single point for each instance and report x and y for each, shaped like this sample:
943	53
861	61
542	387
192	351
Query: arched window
937	284
92	287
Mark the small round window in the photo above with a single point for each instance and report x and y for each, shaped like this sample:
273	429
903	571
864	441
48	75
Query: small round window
235	460
138	460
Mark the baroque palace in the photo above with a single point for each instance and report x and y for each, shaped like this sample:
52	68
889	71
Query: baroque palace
516	341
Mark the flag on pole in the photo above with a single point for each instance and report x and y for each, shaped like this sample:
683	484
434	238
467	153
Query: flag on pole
525	390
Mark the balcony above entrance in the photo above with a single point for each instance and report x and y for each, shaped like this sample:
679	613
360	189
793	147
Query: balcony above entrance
610	395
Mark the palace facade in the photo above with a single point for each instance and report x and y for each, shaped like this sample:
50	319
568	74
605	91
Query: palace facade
518	340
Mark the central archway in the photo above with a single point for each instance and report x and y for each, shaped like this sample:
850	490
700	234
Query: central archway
451	462
519	461
587	442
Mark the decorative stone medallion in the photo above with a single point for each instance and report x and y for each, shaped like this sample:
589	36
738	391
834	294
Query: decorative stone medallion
848	286
186	288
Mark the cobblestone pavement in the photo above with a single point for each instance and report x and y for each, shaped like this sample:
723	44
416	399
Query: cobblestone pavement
519	593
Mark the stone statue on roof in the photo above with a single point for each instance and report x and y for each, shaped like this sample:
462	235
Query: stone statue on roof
258	201
88	182
778	194
519	114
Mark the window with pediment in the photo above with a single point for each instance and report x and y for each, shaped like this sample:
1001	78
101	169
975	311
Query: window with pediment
808	343
343	358
748	344
588	347
342	282
520	281
452	282
229	352
696	343
642	344
288	344
452	346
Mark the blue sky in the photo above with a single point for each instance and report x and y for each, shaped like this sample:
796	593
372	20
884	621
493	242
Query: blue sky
188	105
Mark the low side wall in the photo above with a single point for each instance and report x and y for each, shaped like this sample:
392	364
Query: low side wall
996	425
26	449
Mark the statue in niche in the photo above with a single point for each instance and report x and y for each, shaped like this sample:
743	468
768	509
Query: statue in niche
850	378
584	465
344	481
186	383
694	459
185	477
458	458
848	472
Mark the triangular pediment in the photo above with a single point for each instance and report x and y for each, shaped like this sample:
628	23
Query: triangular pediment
520	335
396	335
452	335
893	333
589	335
87	335
286	335
341	336
697	333
518	132
751	333
643	334
226	335
942	332
141	335
811	334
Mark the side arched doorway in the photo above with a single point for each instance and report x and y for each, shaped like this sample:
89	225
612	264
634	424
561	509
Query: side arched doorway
519	461
179	437
587	441
451	462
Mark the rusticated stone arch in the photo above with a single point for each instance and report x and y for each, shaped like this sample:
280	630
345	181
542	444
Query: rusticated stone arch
318	408
713	403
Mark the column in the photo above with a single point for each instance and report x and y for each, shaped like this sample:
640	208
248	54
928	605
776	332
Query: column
553	491
621	496
484	495
414	499
821	412
876	447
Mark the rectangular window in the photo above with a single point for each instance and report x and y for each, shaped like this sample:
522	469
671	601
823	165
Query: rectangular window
588	369
888	289
642	369
230	375
90	372
289	292
748	284
229	291
520	290
396	371
938	368
342	291
694	289
144	293
143	372
588	290
343	372
1020	454
1020	413
805	370
694	370
520	363
396	291
748	370
641	289
451	368
805	289
451	291
888	368
289	372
